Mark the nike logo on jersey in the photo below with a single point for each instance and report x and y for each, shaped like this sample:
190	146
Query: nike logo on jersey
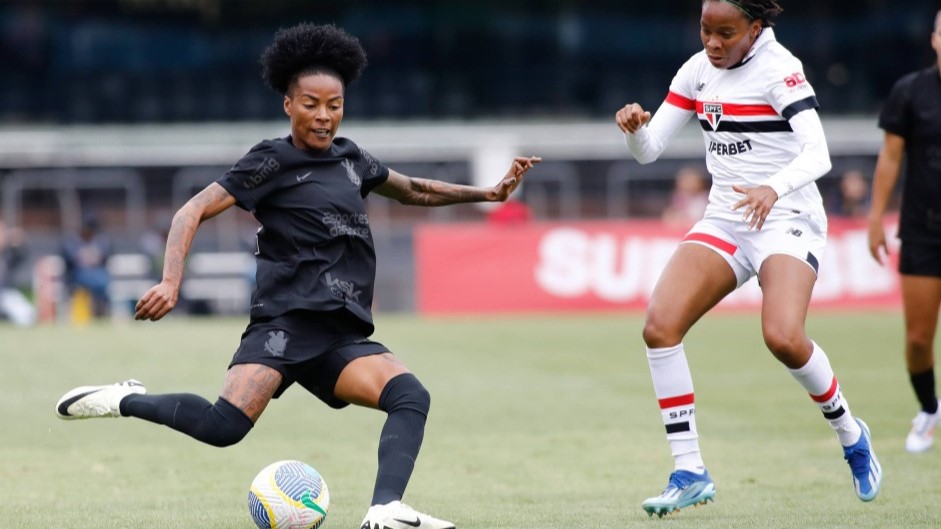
301	178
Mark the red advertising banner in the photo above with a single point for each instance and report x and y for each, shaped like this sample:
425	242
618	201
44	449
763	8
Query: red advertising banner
547	267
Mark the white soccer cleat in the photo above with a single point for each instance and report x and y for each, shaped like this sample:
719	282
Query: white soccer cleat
397	515
96	401
921	436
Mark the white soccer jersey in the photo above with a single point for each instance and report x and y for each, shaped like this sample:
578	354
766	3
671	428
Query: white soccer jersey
755	128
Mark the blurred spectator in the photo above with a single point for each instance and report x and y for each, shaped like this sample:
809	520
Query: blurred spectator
852	197
13	304
86	258
689	199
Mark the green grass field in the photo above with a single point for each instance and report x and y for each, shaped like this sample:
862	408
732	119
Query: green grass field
536	422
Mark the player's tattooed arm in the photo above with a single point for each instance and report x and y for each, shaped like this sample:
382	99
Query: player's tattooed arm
208	203
423	192
162	298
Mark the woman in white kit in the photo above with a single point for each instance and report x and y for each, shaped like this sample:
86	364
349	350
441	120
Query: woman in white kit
765	147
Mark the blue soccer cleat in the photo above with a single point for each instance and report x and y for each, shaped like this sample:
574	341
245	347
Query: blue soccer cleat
867	473
685	488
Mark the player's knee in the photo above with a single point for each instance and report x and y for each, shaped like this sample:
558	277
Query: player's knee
788	346
222	441
228	426
227	437
919	342
405	392
657	334
778	341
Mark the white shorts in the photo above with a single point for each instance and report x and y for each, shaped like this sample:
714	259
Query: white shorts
745	250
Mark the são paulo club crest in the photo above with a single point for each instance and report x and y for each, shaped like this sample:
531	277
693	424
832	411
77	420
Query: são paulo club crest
713	112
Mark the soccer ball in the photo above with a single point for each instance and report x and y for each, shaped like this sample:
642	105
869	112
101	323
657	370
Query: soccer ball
288	495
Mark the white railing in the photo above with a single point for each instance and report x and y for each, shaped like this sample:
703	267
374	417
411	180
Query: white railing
407	141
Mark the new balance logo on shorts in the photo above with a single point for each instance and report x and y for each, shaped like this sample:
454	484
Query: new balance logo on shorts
794	231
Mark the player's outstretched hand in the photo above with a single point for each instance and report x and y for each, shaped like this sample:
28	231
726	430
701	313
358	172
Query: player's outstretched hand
631	118
757	203
513	178
157	302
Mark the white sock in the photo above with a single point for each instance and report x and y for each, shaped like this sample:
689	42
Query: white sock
818	379
673	386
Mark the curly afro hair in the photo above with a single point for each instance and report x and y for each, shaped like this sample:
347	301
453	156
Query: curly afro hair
307	49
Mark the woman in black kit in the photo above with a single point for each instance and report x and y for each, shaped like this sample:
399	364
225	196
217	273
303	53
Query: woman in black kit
911	119
311	309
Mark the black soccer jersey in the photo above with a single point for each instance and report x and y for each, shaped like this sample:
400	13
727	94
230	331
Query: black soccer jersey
315	248
913	111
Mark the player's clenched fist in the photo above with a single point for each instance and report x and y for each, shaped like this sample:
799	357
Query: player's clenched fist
631	117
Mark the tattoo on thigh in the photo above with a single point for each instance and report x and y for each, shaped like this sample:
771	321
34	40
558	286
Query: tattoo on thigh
250	388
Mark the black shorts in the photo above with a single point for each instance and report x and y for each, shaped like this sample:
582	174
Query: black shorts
310	348
920	259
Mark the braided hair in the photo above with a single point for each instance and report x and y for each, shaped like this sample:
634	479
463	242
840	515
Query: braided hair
765	10
307	49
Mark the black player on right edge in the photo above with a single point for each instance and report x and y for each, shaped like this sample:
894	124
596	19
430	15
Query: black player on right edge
911	119
311	312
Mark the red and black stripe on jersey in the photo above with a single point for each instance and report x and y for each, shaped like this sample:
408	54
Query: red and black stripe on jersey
737	111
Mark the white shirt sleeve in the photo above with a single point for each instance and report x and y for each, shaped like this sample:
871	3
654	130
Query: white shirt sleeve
813	160
648	143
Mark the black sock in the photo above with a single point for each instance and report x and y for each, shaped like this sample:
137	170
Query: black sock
220	425
923	384
407	403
